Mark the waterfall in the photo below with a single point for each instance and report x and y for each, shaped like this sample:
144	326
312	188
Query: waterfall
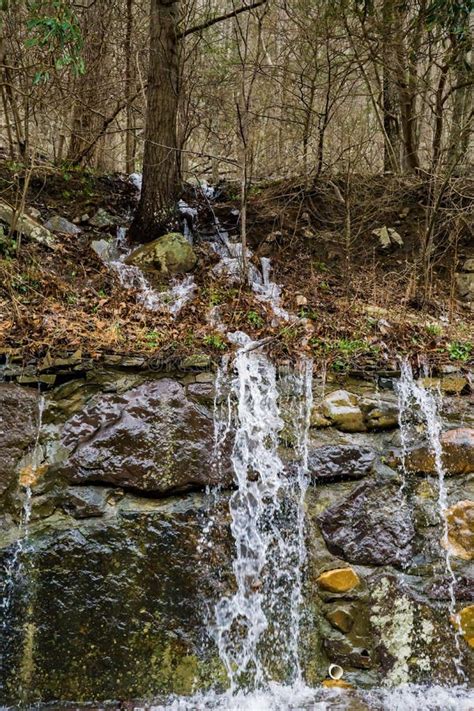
170	300
257	627
14	567
416	402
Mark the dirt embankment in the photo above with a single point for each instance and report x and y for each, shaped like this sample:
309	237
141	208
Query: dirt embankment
360	304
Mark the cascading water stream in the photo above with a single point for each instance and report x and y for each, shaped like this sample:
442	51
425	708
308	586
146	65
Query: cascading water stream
257	627
171	300
414	399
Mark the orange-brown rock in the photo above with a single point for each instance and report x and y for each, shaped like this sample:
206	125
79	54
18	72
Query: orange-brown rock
460	520
464	621
457	457
338	580
337	684
340	619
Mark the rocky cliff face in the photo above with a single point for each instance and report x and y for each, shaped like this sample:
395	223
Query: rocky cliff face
128	539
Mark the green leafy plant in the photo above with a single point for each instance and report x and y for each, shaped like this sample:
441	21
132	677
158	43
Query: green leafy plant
216	341
434	329
460	351
152	338
306	312
53	27
254	319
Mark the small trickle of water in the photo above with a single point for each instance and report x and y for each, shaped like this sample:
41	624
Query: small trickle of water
257	627
14	567
416	404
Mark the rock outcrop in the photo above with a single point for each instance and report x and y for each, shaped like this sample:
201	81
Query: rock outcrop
371	526
170	254
340	462
18	427
26	225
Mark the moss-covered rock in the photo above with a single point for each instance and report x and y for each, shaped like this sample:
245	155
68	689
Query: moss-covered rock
170	254
113	608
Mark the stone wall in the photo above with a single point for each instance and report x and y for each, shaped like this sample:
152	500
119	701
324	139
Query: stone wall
117	571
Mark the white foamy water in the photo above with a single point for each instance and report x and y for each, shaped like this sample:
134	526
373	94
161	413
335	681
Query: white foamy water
256	628
171	300
299	697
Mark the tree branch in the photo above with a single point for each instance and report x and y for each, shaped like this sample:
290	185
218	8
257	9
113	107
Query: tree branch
221	18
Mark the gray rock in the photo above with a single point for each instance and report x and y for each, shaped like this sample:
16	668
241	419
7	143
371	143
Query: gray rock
102	218
151	438
56	223
341	407
85	501
379	414
18	426
468	265
339	463
26	225
465	286
371	526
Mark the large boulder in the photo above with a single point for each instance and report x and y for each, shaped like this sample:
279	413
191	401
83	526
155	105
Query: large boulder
18	428
131	589
457	454
340	462
371	526
26	225
414	640
465	281
151	439
170	254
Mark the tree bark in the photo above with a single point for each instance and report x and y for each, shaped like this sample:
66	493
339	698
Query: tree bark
389	95
129	80
87	116
161	157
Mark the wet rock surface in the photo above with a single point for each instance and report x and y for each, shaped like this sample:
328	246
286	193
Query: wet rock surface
117	577
151	438
340	463
18	426
460	533
457	454
117	606
372	526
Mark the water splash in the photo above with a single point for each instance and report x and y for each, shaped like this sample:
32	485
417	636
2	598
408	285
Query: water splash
171	300
257	627
409	697
416	402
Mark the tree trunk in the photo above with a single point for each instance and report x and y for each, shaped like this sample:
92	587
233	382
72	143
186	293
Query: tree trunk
87	117
390	104
129	81
460	147
161	157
